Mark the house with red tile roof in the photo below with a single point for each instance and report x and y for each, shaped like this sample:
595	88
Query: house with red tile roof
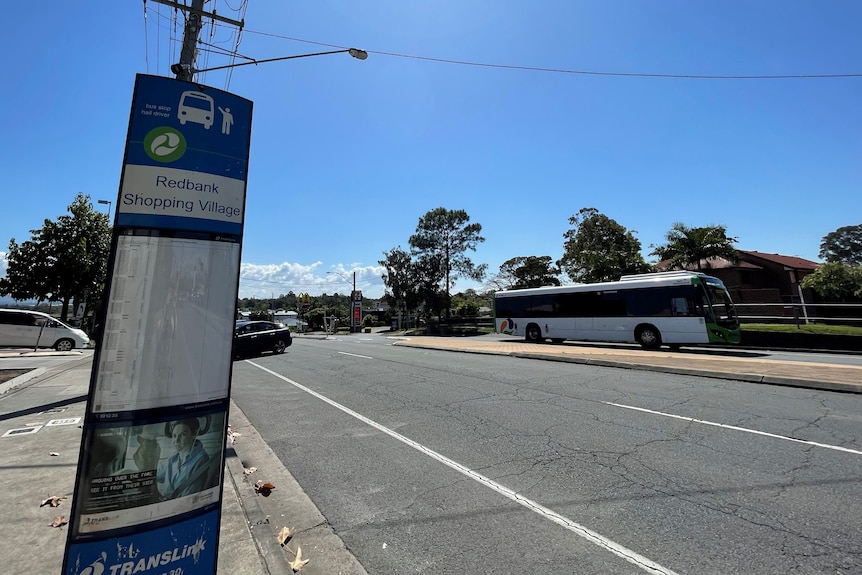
761	278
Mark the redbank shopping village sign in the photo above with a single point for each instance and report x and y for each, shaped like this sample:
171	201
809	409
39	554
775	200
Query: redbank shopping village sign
149	481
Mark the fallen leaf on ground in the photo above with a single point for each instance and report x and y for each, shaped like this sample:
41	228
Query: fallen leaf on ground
298	562
53	454
232	435
59	521
249	470
53	501
284	536
264	488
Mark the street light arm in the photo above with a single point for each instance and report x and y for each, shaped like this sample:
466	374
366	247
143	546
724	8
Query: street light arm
355	52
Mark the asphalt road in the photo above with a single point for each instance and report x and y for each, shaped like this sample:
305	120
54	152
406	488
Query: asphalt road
430	461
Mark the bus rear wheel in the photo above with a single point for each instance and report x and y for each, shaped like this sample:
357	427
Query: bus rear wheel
533	334
648	336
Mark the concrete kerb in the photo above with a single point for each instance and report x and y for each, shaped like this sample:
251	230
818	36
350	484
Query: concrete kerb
747	377
37	353
8	386
728	375
733	376
286	506
824	385
267	547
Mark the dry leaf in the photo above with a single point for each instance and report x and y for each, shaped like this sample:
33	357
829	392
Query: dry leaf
284	536
232	435
53	454
298	562
53	501
264	488
59	521
249	470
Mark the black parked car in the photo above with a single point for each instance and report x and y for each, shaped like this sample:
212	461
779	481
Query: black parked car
256	337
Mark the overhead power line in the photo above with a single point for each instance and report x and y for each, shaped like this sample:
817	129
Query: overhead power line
576	72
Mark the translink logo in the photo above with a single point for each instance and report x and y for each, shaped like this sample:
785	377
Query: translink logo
165	144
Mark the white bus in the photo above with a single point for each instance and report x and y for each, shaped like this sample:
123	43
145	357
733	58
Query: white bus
670	308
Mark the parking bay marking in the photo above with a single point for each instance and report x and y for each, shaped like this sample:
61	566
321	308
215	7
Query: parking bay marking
735	428
620	551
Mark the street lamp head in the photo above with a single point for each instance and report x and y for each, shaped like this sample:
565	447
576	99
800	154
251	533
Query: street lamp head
358	54
180	68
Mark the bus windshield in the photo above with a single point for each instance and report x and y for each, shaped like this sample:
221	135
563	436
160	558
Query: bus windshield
722	307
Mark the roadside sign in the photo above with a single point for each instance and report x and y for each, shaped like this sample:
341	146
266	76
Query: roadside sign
186	158
149	481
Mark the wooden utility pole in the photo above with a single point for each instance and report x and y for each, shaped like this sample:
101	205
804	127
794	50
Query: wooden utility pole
190	42
185	69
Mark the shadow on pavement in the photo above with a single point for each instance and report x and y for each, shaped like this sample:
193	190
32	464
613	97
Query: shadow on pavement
45	407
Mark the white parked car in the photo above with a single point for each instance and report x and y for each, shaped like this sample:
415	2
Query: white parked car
25	328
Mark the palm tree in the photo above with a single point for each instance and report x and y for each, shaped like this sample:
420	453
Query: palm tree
688	247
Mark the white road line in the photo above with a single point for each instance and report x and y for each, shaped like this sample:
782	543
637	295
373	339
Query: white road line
735	428
355	355
624	553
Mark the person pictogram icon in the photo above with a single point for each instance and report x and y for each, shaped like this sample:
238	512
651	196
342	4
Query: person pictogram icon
227	120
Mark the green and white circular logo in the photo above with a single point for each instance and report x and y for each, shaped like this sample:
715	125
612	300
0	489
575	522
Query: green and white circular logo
165	144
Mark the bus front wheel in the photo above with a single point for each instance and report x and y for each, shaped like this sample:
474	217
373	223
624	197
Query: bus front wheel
648	336
534	334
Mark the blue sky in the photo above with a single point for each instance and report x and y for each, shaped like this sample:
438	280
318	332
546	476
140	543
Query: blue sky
347	155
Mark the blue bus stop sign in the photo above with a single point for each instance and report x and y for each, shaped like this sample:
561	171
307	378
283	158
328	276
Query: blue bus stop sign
149	480
186	158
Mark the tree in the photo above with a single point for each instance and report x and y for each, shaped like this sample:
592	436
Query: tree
426	269
844	245
442	237
401	280
836	282
469	302
687	247
25	274
598	249
526	272
64	260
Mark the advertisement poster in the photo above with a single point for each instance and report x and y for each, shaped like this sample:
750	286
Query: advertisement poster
149	481
137	473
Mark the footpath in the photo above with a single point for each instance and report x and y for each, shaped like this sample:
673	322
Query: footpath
41	413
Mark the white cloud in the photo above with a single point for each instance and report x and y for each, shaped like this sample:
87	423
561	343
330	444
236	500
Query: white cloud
268	280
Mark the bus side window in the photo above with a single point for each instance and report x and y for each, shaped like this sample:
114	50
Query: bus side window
681	306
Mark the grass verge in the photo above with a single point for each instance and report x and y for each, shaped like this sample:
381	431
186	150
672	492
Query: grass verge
814	328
